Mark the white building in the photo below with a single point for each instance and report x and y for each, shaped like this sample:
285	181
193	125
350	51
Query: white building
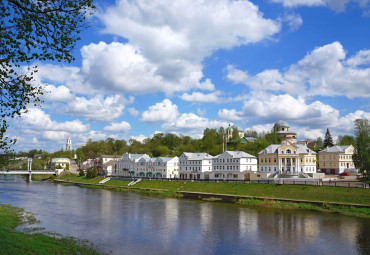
128	165
195	165
232	165
166	167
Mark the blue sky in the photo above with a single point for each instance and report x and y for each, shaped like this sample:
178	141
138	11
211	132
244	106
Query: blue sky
183	66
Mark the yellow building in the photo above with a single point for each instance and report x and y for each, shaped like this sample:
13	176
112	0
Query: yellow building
336	159
287	158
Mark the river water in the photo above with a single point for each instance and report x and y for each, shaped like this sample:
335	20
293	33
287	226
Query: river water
129	223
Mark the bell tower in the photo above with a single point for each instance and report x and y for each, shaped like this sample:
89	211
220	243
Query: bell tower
69	144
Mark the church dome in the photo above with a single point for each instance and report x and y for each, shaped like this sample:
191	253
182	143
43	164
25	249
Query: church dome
281	123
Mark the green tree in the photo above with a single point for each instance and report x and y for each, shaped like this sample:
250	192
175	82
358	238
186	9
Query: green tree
33	30
328	141
361	157
346	140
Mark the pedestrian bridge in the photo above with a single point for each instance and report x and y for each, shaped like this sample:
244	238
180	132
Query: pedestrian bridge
29	173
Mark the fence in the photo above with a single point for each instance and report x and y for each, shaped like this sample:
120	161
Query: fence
348	184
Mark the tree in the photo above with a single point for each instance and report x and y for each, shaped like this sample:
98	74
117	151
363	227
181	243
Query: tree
328	141
361	157
346	140
33	30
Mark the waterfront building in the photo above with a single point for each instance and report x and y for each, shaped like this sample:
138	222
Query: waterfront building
101	163
127	165
284	132
233	165
166	167
336	159
195	165
287	158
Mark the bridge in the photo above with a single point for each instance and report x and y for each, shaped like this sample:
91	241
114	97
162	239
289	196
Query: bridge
30	172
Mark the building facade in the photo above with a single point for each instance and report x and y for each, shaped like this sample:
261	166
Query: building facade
69	144
232	165
195	165
287	158
336	159
128	166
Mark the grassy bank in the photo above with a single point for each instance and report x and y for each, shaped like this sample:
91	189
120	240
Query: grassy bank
14	242
278	191
42	177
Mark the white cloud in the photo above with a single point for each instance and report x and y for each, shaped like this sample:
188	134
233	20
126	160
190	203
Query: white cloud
133	112
168	41
139	138
122	127
231	115
321	72
293	20
55	135
192	124
266	128
361	58
60	93
163	111
97	108
36	118
198	97
336	5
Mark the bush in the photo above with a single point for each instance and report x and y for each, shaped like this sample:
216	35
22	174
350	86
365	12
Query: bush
92	172
82	173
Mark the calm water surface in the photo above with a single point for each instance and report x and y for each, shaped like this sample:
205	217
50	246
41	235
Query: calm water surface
128	223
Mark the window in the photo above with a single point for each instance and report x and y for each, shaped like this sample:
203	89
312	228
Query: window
274	160
288	151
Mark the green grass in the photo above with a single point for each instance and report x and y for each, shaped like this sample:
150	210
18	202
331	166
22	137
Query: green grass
299	192
14	242
294	192
82	179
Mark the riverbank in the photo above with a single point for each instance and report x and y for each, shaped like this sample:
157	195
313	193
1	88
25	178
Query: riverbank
348	201
14	242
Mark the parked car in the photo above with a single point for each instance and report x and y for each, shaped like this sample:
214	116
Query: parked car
344	174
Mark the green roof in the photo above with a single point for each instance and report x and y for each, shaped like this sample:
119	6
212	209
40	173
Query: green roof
149	172
158	173
132	171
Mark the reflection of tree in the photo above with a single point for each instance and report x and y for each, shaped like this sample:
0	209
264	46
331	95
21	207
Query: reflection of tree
363	238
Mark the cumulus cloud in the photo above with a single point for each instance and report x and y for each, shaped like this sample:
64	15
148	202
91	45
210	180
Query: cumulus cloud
324	71
336	5
163	111
55	135
139	138
122	127
36	118
192	124
293	20
59	93
133	112
231	115
169	40
198	97
97	108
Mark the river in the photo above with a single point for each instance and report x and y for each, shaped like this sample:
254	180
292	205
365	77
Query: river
130	223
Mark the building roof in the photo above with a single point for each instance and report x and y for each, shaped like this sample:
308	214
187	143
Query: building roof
198	155
336	148
301	149
239	154
109	163
110	156
281	123
166	159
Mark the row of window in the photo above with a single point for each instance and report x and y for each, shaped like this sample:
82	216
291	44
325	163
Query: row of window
268	169
340	157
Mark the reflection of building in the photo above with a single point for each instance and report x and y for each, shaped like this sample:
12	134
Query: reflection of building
284	133
287	158
336	159
69	144
195	165
233	165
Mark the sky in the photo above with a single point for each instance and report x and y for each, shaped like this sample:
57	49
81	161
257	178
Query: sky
182	66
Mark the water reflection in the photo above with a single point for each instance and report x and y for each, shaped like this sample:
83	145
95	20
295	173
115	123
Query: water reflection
127	223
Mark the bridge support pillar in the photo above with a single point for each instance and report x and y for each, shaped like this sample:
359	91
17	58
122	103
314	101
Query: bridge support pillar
29	177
